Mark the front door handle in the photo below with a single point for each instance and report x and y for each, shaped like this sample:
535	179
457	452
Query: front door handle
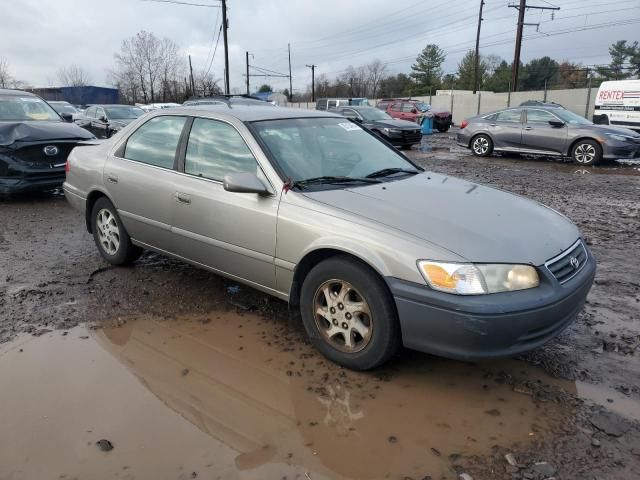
528	128
183	198
112	178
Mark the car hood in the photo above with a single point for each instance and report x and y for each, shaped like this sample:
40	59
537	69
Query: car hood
35	131
478	223
403	124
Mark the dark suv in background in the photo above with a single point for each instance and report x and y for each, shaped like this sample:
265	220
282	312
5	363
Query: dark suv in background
399	133
414	111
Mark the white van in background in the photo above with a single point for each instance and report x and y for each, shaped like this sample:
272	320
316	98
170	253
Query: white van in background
618	103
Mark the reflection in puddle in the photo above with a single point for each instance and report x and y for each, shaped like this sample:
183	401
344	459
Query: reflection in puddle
242	406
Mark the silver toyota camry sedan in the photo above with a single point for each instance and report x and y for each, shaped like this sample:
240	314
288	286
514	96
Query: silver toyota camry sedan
370	251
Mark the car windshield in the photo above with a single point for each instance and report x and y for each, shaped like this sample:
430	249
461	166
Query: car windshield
122	113
373	114
17	108
306	148
570	117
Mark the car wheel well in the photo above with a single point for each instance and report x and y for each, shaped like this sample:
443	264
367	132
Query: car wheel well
476	136
306	264
91	201
578	140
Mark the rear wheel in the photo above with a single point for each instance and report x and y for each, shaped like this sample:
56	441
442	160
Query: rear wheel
586	152
481	146
110	236
349	314
443	128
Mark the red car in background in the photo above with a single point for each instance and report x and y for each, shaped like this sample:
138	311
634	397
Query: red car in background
413	111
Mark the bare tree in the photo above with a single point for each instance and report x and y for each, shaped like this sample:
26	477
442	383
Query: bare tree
73	76
206	84
377	71
5	76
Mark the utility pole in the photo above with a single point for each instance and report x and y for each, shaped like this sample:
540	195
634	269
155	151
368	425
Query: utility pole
248	92
313	81
516	57
290	81
193	88
477	59
225	26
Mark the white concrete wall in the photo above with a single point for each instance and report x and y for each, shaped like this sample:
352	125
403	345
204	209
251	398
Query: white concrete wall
465	105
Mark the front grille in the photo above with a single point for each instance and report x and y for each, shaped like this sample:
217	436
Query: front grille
34	154
412	135
569	263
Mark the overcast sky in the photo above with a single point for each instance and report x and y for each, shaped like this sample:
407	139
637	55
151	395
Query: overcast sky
40	36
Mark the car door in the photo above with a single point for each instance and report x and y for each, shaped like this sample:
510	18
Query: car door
409	112
396	110
538	134
233	233
140	179
505	128
87	119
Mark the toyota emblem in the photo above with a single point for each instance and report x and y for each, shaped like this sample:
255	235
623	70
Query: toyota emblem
50	150
575	263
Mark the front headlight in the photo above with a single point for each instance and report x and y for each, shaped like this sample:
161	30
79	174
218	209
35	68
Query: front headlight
390	130
471	279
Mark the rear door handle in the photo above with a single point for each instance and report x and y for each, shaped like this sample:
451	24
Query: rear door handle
183	198
112	178
528	128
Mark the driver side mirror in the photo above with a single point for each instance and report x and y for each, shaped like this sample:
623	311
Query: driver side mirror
244	183
556	123
414	110
67	117
103	118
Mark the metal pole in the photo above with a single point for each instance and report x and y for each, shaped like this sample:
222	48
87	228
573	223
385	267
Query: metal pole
586	109
545	90
516	56
290	81
193	88
479	97
248	91
313	82
225	26
429	95
509	96
477	59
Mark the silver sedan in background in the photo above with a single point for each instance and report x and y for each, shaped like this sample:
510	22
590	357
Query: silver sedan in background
545	130
370	251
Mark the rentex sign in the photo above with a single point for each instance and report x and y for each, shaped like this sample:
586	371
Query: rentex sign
611	95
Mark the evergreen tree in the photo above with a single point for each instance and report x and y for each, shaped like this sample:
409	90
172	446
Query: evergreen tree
427	70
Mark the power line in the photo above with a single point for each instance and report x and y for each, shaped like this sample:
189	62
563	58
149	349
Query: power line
177	2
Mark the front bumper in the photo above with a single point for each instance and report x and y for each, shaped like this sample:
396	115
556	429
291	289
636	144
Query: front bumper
488	326
403	138
615	150
36	180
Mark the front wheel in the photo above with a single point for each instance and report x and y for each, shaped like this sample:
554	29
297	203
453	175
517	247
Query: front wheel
482	146
586	152
110	236
349	314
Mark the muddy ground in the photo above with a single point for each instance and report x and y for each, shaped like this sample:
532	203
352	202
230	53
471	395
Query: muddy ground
165	371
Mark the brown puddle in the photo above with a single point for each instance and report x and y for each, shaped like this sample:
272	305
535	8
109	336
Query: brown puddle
220	399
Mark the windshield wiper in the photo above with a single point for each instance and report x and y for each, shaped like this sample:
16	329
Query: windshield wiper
385	172
332	179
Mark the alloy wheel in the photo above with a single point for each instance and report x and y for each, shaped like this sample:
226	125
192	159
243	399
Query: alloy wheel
342	316
108	231
480	146
585	153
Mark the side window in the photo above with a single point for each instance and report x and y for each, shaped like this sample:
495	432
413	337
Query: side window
99	113
156	141
396	107
216	149
382	105
509	115
539	116
347	112
90	112
408	107
332	104
491	118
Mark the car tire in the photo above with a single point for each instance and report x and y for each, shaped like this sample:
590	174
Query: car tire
356	326
110	236
481	145
443	128
586	152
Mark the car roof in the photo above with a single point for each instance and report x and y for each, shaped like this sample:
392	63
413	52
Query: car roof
16	93
110	105
249	113
358	107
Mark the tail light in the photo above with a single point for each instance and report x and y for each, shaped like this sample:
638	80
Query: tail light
67	167
464	124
